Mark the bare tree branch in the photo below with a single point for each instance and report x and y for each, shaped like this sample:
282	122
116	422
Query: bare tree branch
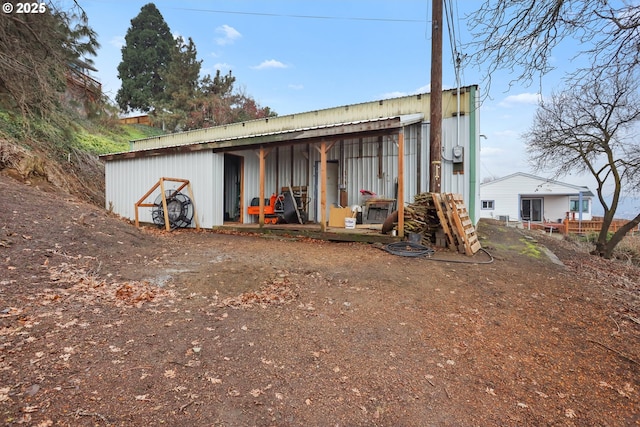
587	128
521	36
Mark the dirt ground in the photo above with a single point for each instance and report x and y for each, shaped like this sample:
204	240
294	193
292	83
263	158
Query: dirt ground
102	324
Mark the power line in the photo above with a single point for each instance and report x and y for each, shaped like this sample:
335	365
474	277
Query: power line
282	15
453	39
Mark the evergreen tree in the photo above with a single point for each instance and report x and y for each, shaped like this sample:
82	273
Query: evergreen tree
183	73
145	58
182	84
220	85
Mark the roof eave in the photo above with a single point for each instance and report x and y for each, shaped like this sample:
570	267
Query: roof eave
308	135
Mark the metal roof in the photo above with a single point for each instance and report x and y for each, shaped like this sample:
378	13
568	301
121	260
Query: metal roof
381	125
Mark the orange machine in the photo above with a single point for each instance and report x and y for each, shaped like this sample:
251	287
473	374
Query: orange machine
273	208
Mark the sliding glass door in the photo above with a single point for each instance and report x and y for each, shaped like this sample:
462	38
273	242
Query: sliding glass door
531	210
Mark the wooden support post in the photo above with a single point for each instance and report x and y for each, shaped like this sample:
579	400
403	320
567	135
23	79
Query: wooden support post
167	226
195	213
400	200
323	186
242	194
262	156
324	149
140	202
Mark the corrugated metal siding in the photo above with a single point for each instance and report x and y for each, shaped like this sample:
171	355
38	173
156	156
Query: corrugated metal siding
128	180
360	168
455	183
424	158
327	117
412	138
450	183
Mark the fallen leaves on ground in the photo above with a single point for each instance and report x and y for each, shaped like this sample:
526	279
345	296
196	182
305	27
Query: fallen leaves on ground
89	287
277	291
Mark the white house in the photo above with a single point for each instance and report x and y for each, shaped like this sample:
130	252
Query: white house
525	197
380	146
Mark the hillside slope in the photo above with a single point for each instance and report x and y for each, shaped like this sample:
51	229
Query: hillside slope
63	154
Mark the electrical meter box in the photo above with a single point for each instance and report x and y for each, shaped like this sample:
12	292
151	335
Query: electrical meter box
458	154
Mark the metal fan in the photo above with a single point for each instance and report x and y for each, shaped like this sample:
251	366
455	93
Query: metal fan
179	210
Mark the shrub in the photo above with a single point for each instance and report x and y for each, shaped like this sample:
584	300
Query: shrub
628	250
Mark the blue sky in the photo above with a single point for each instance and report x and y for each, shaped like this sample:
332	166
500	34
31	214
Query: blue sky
300	55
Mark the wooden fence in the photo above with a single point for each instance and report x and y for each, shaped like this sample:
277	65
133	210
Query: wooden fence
570	226
137	120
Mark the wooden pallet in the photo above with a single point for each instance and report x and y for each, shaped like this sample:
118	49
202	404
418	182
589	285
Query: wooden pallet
441	211
462	225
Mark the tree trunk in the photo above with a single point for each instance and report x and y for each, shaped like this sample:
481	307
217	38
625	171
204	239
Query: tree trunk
604	248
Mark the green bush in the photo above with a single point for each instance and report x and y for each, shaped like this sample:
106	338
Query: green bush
11	126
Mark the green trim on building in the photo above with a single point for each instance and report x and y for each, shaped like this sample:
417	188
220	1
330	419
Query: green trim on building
473	170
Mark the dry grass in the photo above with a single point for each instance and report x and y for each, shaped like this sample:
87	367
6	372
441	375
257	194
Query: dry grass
629	250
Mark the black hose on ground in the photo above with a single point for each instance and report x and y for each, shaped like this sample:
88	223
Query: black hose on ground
410	249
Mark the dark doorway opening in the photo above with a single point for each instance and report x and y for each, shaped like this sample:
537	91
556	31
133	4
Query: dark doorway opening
233	187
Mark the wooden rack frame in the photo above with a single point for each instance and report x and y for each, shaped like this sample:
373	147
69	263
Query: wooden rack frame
160	183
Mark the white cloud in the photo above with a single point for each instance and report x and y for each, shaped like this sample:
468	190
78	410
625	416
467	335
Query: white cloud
222	66
296	87
229	35
521	99
396	94
117	41
270	63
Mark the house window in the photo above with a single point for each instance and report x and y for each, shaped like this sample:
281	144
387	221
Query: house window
488	204
575	203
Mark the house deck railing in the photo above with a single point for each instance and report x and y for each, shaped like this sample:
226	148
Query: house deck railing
570	226
84	81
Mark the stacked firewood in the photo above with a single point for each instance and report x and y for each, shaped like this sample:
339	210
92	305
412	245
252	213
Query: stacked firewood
421	217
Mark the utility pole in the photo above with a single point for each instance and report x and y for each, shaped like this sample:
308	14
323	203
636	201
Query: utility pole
435	125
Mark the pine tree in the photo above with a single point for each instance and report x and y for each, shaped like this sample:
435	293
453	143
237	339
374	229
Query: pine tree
183	73
145	58
220	85
182	81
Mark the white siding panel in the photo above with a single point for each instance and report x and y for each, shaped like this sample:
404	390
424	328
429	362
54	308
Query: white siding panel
128	180
505	202
507	193
455	183
251	181
555	208
424	159
411	141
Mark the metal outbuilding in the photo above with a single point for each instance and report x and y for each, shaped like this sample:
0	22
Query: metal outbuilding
380	146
